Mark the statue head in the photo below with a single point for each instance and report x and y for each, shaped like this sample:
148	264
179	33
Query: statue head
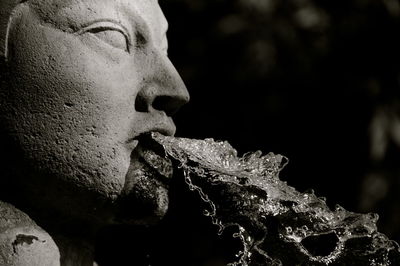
82	80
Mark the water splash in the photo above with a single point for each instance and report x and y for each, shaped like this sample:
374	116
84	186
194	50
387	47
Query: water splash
277	224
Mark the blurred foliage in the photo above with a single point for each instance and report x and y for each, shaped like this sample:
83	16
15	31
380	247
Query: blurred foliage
315	80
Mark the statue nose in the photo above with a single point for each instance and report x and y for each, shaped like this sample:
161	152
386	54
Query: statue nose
165	92
155	97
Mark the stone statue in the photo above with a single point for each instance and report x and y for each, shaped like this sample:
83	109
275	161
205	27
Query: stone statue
87	93
81	82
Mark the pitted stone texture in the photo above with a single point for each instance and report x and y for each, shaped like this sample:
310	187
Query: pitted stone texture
24	243
85	78
81	80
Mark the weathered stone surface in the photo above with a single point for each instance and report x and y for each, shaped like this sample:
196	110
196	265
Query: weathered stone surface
24	243
80	82
85	81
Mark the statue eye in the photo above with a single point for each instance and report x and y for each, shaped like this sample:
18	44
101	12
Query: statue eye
110	33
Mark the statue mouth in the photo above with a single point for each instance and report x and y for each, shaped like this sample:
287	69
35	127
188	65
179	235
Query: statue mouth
152	156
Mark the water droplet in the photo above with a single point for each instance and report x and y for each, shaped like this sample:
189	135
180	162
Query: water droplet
289	230
323	199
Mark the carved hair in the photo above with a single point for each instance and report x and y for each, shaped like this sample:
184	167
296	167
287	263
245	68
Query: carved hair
7	8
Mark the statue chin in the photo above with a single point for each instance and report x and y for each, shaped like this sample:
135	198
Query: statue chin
145	197
146	203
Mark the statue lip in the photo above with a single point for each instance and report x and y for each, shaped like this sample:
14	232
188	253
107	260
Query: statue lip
133	141
152	154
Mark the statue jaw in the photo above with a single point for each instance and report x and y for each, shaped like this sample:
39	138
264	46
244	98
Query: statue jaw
144	199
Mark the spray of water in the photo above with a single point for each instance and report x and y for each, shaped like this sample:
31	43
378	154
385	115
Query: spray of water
277	224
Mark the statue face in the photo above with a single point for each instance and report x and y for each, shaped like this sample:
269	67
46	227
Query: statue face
86	78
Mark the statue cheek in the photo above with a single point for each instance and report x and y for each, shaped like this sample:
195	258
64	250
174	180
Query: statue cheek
69	108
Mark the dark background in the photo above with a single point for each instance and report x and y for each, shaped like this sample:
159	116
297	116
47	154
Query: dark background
316	81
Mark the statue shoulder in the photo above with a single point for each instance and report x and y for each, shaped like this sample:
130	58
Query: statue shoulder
23	242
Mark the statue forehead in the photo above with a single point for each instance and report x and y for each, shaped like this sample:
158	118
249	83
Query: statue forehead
146	10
